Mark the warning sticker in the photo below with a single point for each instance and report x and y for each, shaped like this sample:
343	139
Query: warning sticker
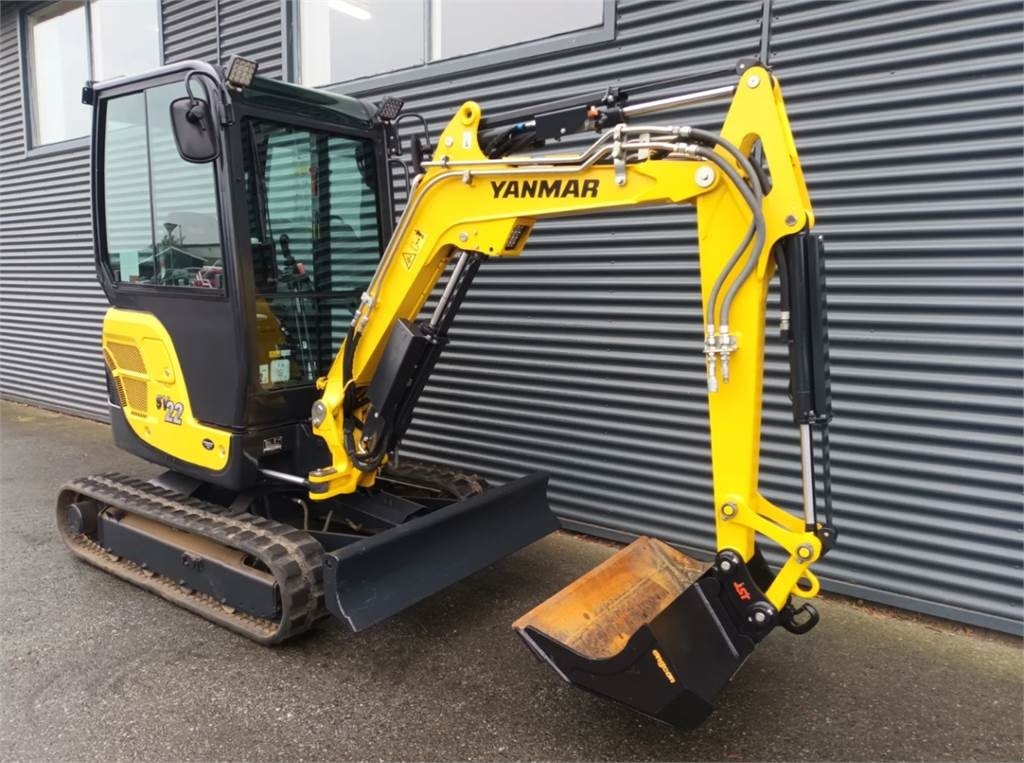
412	248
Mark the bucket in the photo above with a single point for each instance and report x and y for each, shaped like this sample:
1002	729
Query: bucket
650	628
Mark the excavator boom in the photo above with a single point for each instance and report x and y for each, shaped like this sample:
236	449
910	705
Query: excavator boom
633	615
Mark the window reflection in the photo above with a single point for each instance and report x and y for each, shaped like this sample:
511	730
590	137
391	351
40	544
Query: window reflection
161	211
58	57
125	39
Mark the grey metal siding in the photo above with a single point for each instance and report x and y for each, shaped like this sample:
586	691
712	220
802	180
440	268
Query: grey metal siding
252	28
51	305
583	358
910	120
190	30
214	30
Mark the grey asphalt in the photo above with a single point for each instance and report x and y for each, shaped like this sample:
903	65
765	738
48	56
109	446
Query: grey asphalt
94	669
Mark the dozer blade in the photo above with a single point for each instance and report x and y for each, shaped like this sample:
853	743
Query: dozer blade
368	581
645	628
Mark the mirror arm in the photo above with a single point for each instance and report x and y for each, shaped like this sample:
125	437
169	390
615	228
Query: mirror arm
228	116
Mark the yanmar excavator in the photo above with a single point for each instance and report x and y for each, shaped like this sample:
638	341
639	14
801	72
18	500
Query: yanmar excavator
266	345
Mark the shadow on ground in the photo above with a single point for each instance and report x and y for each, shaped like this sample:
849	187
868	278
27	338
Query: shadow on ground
96	669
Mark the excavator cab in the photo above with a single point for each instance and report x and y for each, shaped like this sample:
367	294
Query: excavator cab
237	223
246	217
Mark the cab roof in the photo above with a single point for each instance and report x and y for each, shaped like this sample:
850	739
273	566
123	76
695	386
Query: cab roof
320	105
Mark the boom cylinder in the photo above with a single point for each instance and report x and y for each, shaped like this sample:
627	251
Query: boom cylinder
801	264
801	261
409	357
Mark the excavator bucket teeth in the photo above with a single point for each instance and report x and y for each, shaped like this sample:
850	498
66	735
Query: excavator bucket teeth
646	629
370	580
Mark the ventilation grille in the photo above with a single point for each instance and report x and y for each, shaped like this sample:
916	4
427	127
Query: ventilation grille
127	357
120	391
136	391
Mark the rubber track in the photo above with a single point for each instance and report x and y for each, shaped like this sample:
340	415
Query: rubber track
455	482
293	557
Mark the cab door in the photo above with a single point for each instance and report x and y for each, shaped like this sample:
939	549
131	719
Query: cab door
161	246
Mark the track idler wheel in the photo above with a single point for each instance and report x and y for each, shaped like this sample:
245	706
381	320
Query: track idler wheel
81	517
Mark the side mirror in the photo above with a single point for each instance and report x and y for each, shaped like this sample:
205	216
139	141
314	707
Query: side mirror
194	131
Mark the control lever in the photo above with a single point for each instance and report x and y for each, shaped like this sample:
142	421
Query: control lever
298	270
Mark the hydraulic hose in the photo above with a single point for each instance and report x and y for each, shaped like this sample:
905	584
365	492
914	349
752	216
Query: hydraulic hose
709	137
757	227
759	223
753	201
747	269
716	287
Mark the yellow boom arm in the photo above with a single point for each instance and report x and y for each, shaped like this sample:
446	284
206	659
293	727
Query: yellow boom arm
467	207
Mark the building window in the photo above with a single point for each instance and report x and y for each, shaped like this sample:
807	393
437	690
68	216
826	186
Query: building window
73	41
341	40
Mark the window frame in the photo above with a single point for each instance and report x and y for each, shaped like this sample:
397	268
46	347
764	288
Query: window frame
567	41
31	148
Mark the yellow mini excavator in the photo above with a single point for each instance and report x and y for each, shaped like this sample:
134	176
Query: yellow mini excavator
265	346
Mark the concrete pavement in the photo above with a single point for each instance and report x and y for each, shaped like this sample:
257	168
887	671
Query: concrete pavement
96	669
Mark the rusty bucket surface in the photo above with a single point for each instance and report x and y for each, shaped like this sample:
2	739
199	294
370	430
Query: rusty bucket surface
645	628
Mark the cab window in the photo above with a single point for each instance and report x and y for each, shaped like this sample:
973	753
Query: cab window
315	238
162	226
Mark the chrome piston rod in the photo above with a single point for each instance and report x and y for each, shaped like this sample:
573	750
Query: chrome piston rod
669	103
449	289
676	101
807	476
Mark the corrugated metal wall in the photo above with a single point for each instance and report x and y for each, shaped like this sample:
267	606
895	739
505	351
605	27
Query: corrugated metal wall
51	305
584	357
190	30
212	30
910	119
252	28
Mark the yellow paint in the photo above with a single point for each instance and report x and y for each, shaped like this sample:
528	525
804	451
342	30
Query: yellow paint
141	357
660	661
465	207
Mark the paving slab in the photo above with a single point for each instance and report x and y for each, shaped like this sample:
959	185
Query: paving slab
95	669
